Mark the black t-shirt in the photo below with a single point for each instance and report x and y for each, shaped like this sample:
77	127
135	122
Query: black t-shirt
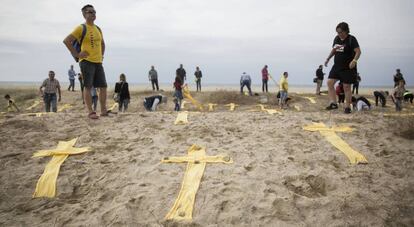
319	74
345	53
150	100
123	90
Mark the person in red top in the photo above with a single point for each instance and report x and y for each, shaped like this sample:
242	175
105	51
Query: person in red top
178	94
340	92
265	78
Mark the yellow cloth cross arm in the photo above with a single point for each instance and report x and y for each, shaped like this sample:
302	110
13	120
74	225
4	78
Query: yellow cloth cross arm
197	160
181	118
311	99
211	106
64	107
186	93
232	106
36	103
329	133
46	185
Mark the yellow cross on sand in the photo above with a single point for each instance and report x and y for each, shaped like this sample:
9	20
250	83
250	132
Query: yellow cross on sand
354	156
269	111
64	107
36	103
115	105
188	95
196	163
211	106
181	118
311	99
232	106
46	185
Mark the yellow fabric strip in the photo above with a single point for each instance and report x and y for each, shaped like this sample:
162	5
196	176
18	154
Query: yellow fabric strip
115	105
46	185
181	118
183	104
297	107
232	106
312	100
187	94
211	106
269	111
398	114
329	133
184	204
64	107
36	103
37	114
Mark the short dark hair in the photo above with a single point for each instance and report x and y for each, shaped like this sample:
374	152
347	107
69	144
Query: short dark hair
343	26
285	73
86	6
7	96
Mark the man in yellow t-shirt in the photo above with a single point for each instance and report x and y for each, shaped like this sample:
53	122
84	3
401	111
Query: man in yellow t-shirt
283	89
92	49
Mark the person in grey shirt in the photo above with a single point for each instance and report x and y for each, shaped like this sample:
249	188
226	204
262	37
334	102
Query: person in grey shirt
72	75
245	80
153	77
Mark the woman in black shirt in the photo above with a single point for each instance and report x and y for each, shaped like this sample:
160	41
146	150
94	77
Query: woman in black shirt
346	50
122	93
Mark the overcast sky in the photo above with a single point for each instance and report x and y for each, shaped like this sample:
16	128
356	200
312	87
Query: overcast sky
224	38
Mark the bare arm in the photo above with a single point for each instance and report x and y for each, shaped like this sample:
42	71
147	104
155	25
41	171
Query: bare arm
330	56
356	57
58	88
103	47
68	43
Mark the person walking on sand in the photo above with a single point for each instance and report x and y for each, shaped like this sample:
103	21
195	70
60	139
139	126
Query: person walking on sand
346	50
178	93
265	79
319	79
355	85
398	95
181	73
283	89
90	56
153	77
72	75
198	74
245	80
397	77
122	90
51	86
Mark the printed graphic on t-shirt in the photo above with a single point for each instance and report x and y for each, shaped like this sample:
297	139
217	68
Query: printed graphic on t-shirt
339	48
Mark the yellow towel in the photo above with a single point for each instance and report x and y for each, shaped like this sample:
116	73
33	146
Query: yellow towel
113	107
181	118
36	103
311	99
196	159
329	133
211	106
232	106
64	107
187	94
46	185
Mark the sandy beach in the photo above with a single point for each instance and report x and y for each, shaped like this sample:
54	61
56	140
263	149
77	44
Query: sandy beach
282	175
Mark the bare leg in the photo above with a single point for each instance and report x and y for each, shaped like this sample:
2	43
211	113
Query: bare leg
348	95
331	90
102	100
88	99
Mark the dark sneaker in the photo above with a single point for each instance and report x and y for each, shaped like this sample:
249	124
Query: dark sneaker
332	106
347	110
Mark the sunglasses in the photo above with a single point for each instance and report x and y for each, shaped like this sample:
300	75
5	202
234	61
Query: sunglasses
91	11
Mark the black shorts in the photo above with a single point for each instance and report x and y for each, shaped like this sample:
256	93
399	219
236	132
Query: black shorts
346	76
93	74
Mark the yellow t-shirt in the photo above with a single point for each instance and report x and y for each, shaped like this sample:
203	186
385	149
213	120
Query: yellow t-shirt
283	84
92	42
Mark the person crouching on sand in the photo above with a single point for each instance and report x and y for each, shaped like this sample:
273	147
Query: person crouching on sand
151	103
11	104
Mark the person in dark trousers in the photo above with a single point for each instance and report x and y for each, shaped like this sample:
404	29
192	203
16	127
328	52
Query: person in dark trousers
381	96
151	103
245	80
408	96
355	85
346	50
198	74
122	90
153	77
181	73
51	87
397	77
265	78
80	78
72	75
398	95
319	79
340	92
178	93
